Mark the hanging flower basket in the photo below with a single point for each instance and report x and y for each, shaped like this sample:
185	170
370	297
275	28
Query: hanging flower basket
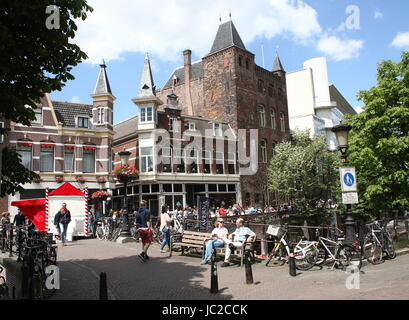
101	195
125	173
59	178
80	179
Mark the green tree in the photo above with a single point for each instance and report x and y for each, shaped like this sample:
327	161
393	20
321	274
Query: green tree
35	57
379	141
305	172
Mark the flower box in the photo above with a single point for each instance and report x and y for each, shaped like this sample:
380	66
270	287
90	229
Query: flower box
59	178
101	195
80	179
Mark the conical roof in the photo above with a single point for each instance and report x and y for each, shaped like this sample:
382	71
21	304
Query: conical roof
102	86
226	37
147	87
277	65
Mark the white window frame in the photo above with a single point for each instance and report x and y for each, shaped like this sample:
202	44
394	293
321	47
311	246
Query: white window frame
261	116
192	126
143	114
53	160
282	121
273	119
95	161
263	151
146	168
101	116
73	165
169	155
209	158
231	160
38	111
180	155
173	125
217	129
84	117
31	160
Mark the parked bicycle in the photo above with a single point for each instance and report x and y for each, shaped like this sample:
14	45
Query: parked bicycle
378	243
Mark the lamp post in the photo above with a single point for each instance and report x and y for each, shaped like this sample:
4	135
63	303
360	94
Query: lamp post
126	232
341	132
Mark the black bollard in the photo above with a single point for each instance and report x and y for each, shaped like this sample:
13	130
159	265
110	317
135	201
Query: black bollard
14	293
291	262
247	264
103	289
11	241
214	283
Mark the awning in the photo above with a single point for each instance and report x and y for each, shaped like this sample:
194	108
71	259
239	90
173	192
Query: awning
67	189
34	210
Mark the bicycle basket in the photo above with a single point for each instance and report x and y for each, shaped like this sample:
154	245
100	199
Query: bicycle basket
273	230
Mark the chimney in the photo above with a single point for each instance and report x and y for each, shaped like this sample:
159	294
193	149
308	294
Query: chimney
187	58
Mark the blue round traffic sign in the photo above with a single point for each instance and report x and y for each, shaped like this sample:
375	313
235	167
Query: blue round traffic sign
349	179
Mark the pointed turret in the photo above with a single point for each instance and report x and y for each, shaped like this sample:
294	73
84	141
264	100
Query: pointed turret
226	37
103	99
146	100
102	86
147	87
277	66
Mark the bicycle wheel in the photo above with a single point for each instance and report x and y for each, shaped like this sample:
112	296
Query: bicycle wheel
52	254
305	259
348	255
277	255
372	251
390	247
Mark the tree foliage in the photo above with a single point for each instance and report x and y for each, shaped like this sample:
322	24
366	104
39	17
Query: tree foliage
379	141
33	60
304	171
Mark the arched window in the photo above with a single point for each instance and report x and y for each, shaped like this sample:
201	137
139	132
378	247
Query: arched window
261	116
263	151
273	119
282	121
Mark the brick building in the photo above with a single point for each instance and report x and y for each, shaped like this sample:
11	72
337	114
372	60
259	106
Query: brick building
67	141
227	85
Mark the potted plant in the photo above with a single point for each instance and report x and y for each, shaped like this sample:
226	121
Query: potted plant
125	173
101	195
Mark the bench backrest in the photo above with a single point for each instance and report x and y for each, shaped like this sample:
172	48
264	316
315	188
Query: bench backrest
195	237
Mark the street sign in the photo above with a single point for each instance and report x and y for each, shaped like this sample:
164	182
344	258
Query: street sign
349	197
348	179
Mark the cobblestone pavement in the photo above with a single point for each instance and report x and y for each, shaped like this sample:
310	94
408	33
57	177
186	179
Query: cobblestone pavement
181	277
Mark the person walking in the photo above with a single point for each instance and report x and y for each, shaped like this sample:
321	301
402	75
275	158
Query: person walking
61	221
143	218
5	218
19	219
218	234
165	227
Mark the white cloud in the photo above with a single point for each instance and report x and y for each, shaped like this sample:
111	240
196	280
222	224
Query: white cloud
339	49
401	40
165	28
75	99
378	14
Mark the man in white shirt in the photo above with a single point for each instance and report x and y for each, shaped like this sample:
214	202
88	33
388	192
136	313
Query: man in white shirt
218	234
239	237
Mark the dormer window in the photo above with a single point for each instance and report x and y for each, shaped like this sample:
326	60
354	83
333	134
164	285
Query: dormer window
83	122
217	129
39	116
192	126
146	114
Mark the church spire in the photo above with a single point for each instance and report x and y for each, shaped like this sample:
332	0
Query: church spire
102	86
147	87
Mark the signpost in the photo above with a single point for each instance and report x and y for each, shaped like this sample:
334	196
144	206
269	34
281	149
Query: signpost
348	185
203	204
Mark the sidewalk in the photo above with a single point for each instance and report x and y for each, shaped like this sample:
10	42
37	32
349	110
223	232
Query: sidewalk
181	277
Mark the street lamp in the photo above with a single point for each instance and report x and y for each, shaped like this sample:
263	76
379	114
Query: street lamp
126	231
341	132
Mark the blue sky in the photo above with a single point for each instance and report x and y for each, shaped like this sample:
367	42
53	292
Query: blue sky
121	32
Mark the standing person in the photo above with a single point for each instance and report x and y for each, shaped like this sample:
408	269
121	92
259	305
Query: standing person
165	227
5	218
145	230
61	221
239	237
218	234
19	219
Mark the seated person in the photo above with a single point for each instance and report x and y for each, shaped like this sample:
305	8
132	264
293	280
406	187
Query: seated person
239	238
218	234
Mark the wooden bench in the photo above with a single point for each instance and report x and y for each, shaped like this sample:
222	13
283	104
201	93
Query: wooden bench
192	239
239	252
